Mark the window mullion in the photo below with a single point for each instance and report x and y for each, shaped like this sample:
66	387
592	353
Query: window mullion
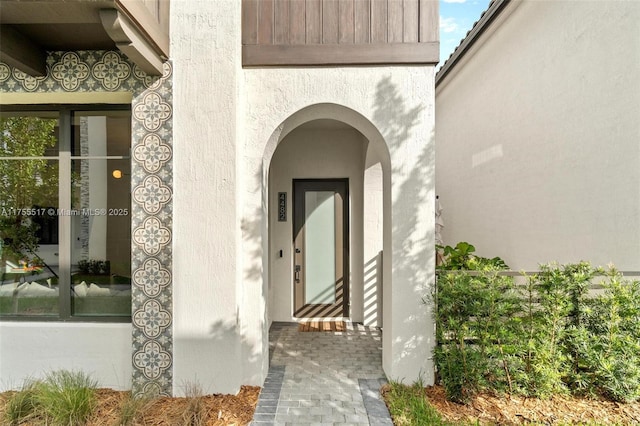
64	221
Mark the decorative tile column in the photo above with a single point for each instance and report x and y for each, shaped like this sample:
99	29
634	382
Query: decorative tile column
151	224
151	190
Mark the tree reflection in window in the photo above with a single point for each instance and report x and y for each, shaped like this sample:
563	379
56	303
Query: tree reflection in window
25	184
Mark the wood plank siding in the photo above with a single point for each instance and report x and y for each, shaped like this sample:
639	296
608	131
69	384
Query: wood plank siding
339	32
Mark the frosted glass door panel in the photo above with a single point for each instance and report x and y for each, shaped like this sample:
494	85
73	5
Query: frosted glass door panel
320	254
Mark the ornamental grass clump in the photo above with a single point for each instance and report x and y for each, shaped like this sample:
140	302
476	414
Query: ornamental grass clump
66	397
21	406
195	411
63	398
131	409
409	407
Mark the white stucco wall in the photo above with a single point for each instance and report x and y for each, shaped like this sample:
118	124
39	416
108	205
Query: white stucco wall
30	350
311	154
373	217
393	108
538	136
205	50
227	123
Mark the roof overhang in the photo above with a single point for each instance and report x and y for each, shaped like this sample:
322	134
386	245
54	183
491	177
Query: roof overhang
30	28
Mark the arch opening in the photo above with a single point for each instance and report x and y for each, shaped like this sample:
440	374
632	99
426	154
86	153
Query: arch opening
328	142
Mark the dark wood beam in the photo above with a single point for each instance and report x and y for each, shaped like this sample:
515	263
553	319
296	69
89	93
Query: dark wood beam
18	51
340	54
154	28
130	41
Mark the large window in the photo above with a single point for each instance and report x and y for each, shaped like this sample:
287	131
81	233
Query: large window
65	205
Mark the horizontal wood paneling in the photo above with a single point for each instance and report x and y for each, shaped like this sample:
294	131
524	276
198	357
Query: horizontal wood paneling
340	54
337	22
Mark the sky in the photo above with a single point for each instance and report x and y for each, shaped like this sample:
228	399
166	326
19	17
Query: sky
456	18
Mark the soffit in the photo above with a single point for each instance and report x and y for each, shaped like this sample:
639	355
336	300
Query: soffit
30	28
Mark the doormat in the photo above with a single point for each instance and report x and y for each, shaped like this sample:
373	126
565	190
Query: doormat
322	326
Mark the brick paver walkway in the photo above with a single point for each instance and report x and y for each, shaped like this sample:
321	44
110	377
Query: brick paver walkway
323	378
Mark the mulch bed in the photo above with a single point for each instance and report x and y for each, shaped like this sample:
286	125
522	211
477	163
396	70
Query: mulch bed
215	410
219	410
505	410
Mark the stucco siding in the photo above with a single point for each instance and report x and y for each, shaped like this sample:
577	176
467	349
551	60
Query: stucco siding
201	256
538	136
205	47
393	108
228	122
32	350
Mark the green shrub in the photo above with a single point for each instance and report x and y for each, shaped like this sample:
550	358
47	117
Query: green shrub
607	342
477	331
554	297
94	267
462	257
543	338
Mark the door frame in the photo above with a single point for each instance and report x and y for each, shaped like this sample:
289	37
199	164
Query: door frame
341	186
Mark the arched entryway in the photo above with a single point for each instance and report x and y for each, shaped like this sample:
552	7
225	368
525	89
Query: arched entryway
326	222
392	170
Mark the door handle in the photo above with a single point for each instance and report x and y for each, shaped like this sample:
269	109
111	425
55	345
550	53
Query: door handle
297	273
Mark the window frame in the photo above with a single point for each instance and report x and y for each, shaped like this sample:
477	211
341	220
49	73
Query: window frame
65	158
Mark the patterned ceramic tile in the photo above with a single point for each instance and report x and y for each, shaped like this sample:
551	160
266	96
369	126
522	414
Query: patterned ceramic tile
111	71
152	112
152	360
151	236
70	71
151	277
5	72
152	194
152	190
151	224
152	153
152	318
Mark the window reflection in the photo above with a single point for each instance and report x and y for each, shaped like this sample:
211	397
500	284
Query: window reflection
65	234
101	243
29	262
